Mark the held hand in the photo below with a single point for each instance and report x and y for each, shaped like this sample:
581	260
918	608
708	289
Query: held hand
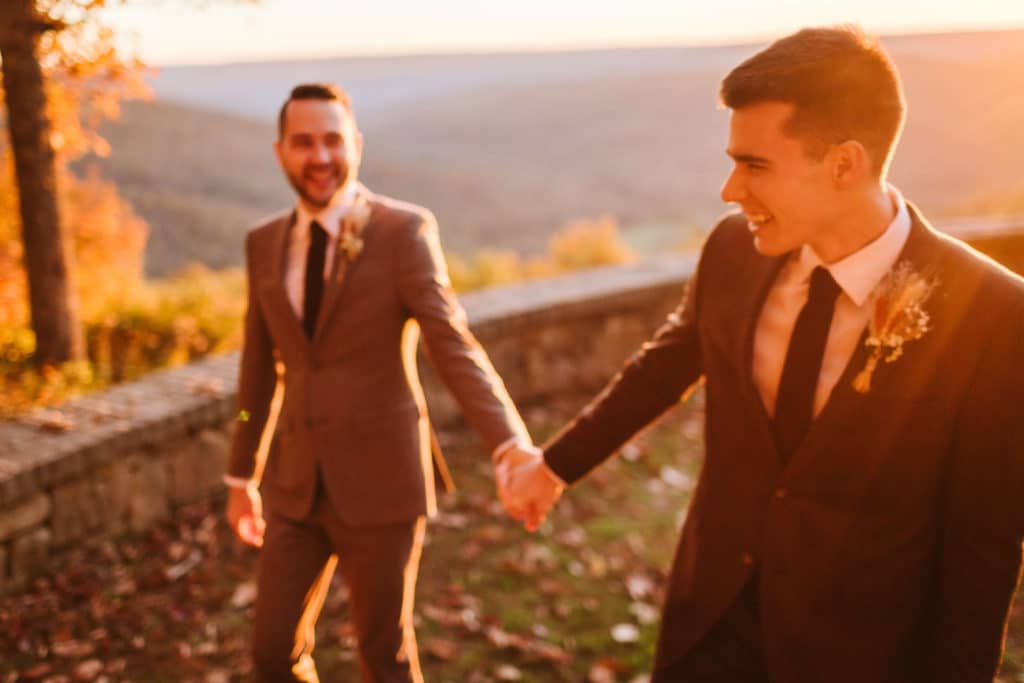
533	489
245	515
510	460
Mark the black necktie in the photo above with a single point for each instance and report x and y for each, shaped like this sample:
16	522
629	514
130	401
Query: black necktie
314	277
794	406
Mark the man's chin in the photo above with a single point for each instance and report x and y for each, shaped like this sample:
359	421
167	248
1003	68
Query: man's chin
766	247
317	200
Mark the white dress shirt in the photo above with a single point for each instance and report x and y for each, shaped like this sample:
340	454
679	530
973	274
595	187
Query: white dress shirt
857	276
298	244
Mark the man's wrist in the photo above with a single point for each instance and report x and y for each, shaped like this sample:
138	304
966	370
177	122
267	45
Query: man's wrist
236	482
552	475
509	445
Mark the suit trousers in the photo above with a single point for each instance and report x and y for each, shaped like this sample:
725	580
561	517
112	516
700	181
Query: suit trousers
378	563
730	652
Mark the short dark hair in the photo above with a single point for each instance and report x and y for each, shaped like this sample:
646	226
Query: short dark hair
842	84
314	91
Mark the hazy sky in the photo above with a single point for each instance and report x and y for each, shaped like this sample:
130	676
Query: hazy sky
162	32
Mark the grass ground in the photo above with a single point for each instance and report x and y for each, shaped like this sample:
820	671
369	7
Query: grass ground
576	601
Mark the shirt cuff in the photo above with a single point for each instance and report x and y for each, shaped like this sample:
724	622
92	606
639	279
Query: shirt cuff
514	442
236	482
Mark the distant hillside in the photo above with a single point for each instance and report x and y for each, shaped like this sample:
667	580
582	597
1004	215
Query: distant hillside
506	149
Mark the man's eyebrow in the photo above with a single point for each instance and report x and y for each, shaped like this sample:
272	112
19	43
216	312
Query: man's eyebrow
747	158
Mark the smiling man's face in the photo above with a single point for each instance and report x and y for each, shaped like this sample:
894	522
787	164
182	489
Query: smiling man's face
787	196
319	150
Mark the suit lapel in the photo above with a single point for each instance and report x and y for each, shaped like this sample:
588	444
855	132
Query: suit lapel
360	219
845	405
272	287
763	272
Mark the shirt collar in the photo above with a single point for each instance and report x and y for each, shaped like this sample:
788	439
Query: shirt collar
859	273
329	217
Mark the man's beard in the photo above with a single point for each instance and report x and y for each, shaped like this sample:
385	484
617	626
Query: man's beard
339	171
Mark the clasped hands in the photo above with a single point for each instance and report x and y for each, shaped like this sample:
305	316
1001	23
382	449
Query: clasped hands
526	485
527	488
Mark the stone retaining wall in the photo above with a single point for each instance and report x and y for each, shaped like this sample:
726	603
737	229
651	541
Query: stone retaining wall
129	456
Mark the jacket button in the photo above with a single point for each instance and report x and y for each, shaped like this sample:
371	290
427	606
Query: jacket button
781	493
747	559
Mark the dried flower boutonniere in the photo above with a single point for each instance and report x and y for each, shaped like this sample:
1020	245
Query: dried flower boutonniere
350	241
897	317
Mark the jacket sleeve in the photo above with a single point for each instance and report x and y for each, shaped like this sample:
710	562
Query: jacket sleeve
983	516
426	290
257	379
653	380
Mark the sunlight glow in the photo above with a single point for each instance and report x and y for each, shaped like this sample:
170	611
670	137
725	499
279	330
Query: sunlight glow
167	33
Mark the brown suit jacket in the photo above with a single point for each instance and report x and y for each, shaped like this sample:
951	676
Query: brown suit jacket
353	414
889	546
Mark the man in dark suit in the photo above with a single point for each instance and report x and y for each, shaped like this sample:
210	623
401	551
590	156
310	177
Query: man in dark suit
339	289
860	512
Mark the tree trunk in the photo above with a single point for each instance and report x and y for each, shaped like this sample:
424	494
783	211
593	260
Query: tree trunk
53	301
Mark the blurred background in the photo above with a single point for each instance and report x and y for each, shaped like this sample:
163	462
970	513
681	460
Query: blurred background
547	136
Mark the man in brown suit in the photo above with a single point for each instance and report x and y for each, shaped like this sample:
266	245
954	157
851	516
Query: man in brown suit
860	511
339	289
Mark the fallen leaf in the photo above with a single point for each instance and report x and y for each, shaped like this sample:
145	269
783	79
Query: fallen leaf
645	613
244	595
88	670
37	671
631	452
492	533
176	571
206	386
441	648
639	586
575	537
451	520
676	478
507	672
73	648
625	633
601	672
50	421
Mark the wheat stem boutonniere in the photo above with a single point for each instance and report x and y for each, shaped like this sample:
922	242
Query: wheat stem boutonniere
897	317
350	241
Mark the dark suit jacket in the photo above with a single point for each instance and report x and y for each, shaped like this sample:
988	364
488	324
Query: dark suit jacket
889	546
353	414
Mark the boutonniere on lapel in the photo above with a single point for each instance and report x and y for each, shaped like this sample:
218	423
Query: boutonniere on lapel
350	241
897	317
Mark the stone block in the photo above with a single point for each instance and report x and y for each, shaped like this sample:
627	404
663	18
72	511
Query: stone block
147	491
77	511
31	513
549	373
112	485
196	466
30	554
185	464
216	446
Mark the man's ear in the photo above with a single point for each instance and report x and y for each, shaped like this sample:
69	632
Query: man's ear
850	162
277	150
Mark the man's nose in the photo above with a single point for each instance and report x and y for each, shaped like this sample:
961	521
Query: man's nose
322	154
732	189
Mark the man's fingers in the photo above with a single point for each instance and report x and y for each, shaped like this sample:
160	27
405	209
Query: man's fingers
250	529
